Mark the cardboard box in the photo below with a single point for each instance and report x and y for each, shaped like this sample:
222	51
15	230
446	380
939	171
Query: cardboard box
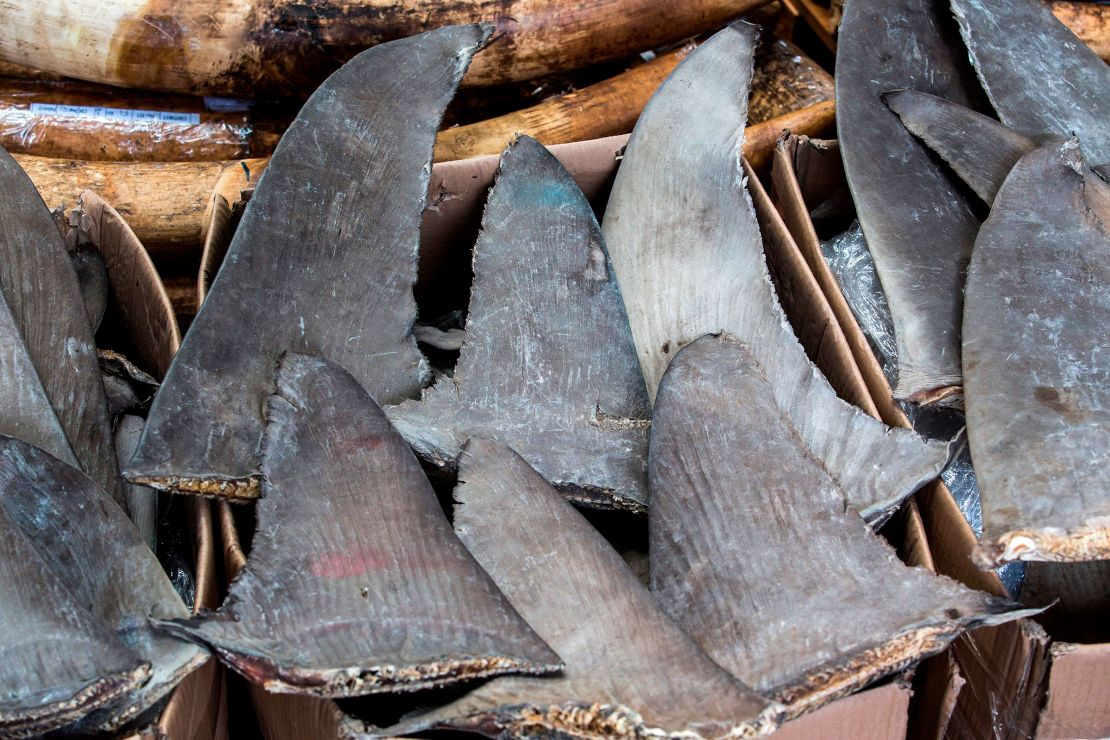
1008	681
140	319
457	197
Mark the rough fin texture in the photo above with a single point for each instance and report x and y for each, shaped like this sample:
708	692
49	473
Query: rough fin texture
981	150
323	261
548	367
686	248
40	286
356	583
754	554
1038	390
142	502
630	670
59	662
103	561
1040	78
919	228
25	411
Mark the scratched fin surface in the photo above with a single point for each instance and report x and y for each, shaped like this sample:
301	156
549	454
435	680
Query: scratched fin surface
101	559
323	261
919	228
1040	78
687	253
549	367
60	662
40	286
25	411
1038	391
740	513
355	583
630	670
978	148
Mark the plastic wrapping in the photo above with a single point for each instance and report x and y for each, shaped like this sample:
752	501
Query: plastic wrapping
851	264
74	120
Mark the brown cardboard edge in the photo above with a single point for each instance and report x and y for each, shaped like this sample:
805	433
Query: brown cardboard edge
1003	667
791	204
197	707
1078	701
138	294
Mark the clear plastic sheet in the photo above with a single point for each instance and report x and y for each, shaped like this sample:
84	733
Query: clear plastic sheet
850	262
74	120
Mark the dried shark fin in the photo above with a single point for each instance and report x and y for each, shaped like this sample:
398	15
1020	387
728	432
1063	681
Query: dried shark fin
40	286
323	261
687	253
739	514
142	502
128	387
25	411
919	228
60	662
548	366
1038	390
630	670
1039	77
92	277
356	583
978	148
103	561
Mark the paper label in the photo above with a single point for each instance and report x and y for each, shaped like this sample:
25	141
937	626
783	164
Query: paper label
114	114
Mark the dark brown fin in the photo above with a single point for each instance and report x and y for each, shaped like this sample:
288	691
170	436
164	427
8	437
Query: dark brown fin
25	411
754	553
142	502
688	256
103	561
1040	78
60	661
356	583
919	228
92	277
630	670
129	389
981	150
40	286
1038	390
140	307
324	261
548	366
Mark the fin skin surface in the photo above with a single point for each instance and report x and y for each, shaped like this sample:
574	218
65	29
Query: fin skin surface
1041	79
688	256
919	228
548	366
25	411
630	671
60	662
38	282
741	512
323	262
1038	391
978	148
356	583
102	559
